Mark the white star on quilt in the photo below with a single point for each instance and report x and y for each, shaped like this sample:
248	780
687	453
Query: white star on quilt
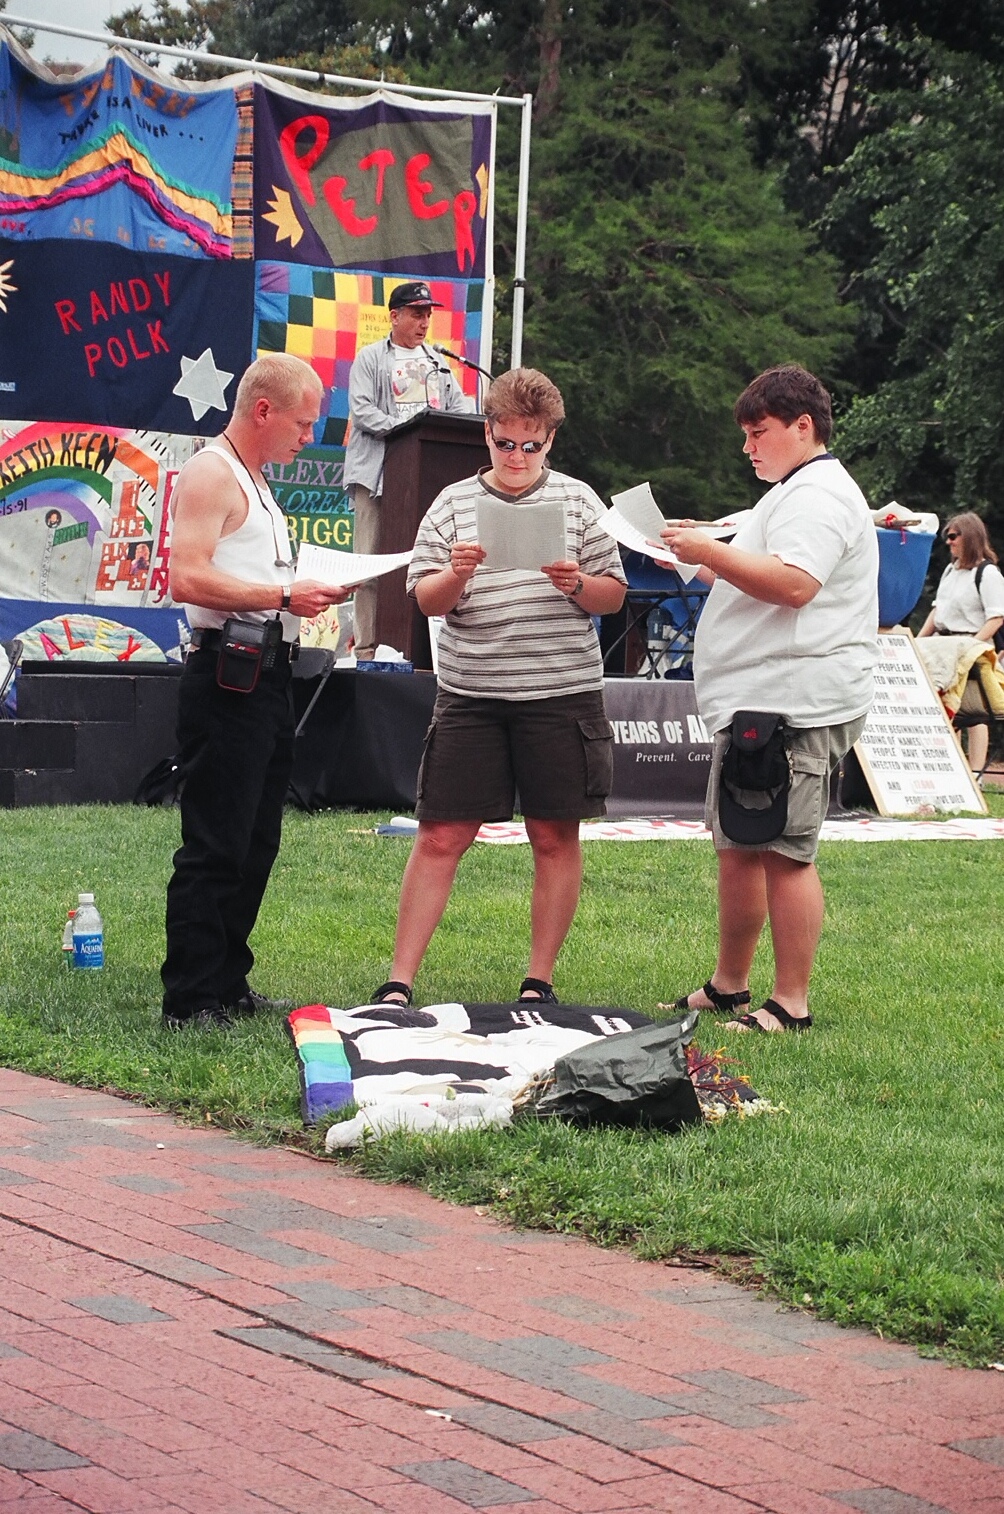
202	384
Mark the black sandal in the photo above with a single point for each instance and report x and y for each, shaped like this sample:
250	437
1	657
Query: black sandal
392	992
536	991
720	1002
781	1015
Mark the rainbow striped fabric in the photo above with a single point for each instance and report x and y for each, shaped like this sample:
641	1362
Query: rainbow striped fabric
325	1075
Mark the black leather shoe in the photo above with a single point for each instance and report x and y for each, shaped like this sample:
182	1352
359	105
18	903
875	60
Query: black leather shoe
214	1017
256	1004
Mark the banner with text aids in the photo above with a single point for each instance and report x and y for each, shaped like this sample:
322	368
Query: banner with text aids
84	540
662	750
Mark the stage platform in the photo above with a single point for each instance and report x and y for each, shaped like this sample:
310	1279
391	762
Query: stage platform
362	744
87	733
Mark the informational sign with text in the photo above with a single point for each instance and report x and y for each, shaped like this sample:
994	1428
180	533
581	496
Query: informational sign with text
908	751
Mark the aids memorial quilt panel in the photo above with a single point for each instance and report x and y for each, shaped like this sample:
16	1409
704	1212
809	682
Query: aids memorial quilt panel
156	236
124	156
84	540
373	183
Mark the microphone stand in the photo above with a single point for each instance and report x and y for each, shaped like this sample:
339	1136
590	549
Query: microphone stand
467	364
437	368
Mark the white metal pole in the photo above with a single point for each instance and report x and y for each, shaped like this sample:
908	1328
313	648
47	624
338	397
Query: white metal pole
519	272
280	71
488	302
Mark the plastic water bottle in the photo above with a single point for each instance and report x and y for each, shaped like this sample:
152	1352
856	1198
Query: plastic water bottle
88	935
68	939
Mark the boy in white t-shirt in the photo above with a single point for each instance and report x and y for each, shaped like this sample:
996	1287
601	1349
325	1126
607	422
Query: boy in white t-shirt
790	628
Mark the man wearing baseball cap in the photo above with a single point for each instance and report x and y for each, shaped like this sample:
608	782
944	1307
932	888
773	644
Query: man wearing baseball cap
391	380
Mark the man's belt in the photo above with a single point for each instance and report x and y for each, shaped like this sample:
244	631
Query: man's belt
210	640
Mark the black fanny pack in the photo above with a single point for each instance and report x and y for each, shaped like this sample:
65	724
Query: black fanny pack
247	649
755	779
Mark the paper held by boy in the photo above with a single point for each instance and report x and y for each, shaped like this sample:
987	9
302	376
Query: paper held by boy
635	521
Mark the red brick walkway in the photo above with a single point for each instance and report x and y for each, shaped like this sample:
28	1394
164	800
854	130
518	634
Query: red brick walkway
191	1323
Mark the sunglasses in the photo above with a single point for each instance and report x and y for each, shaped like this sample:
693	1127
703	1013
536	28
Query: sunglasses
505	445
952	535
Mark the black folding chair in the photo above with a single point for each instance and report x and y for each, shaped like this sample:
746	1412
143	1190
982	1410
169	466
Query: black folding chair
652	587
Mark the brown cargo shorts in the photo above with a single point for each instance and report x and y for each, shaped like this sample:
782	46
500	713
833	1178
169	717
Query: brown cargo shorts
556	754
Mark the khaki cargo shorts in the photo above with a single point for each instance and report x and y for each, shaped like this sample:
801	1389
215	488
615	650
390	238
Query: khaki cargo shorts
815	752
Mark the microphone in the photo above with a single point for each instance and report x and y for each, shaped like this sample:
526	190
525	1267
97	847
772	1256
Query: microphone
465	360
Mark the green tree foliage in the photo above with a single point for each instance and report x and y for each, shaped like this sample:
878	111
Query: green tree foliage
847	98
25	37
219	26
819	75
663	268
264	29
932	429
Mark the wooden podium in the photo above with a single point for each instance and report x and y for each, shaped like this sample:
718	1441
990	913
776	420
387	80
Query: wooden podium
423	456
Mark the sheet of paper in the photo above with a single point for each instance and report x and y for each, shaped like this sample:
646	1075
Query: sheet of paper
621	529
725	525
340	569
636	521
639	509
520	538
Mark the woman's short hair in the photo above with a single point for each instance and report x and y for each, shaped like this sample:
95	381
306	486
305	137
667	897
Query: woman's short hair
276	376
525	394
786	392
976	546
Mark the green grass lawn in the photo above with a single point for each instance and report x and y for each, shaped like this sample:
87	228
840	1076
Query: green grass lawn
878	1196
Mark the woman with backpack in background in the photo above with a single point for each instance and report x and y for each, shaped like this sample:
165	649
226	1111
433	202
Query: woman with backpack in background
969	601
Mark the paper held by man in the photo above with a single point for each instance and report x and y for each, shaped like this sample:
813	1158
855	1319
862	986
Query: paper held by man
343	569
635	521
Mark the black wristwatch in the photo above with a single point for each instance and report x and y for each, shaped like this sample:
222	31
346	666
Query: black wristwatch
287	595
578	588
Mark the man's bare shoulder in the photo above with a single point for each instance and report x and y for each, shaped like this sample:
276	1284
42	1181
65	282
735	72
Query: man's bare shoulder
209	464
207	484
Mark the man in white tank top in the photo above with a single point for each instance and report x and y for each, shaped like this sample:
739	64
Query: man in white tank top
231	557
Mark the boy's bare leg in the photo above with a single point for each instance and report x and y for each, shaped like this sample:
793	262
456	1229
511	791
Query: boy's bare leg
742	914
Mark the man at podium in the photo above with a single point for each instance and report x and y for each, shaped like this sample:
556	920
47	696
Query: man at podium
390	381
